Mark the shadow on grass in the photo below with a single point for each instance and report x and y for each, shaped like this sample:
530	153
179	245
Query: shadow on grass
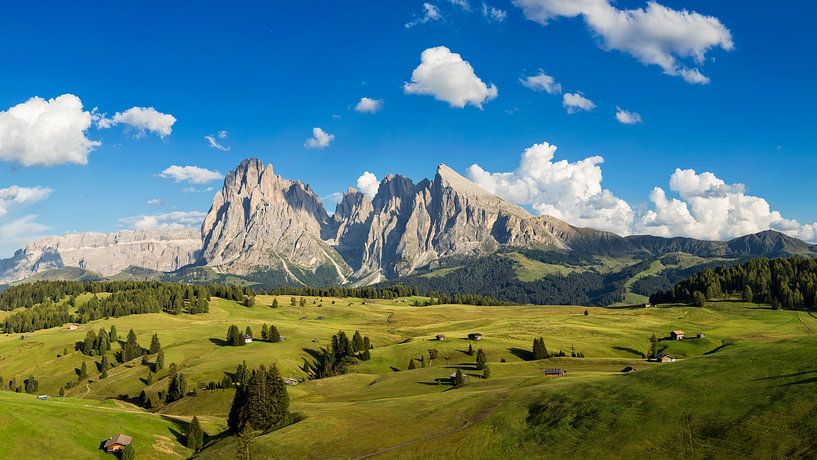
630	350
219	342
784	376
521	353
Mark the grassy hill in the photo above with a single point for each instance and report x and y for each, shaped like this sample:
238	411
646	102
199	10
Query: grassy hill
753	363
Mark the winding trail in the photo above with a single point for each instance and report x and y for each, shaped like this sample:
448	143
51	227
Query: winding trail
482	415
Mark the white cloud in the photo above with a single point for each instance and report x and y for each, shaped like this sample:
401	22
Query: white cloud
655	35
430	13
462	4
493	13
541	82
142	119
155	202
447	77
575	102
40	132
368	184
626	117
213	141
707	207
18	197
369	105
177	219
18	231
192	174
320	139
569	191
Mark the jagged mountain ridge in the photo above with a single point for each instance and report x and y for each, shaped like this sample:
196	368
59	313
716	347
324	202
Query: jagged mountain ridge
260	221
161	249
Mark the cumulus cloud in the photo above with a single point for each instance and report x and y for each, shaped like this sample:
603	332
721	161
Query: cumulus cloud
40	132
569	191
655	35
447	77
707	207
142	119
191	174
541	82
369	105
493	13
575	102
155	202
213	141
368	184
18	231
177	219
17	197
430	13
626	117
320	139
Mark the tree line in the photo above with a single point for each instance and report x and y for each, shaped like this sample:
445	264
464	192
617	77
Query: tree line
789	283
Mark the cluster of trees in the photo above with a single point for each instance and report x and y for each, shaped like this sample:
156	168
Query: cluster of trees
789	283
261	403
45	308
97	343
269	333
540	351
342	354
492	280
369	292
30	385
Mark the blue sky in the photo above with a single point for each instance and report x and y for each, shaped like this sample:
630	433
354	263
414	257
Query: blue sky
267	74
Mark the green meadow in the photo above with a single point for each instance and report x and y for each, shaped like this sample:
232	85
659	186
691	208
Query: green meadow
745	388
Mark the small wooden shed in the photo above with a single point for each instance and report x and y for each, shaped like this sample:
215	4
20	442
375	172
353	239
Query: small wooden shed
440	337
554	372
677	334
116	443
475	336
665	358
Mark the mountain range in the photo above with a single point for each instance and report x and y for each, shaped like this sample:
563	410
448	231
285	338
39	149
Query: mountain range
275	231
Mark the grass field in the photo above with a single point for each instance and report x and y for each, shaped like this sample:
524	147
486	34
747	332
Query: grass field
380	405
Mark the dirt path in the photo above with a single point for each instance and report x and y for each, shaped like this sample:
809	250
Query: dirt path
482	415
804	323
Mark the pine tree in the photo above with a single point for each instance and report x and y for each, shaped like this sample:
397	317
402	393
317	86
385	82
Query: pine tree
357	342
486	373
195	435
131	350
103	374
470	350
653	347
459	378
150	379
293	302
83	371
264	332
155	346
366	355
62	392
274	303
481	359
274	335
748	295
177	388
303	302
411	364
160	361
234	337
112	336
367	344
699	299
247	333
104	363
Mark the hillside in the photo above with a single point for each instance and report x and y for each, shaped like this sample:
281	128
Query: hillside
500	416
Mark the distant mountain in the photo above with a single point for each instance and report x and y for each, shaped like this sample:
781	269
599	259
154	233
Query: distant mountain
268	230
104	253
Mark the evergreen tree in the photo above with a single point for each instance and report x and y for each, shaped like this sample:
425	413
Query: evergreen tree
104	363
357	342
88	344
486	373
274	335
150	379
247	333
131	350
303	302
62	392
366	355
274	303
234	336
367	344
113	337
155	346
481	359
265	332
292	302
748	295
177	388
470	351
104	374
540	351
195	435
699	299
83	371
31	384
411	364
459	378
262	403
160	361
653	347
